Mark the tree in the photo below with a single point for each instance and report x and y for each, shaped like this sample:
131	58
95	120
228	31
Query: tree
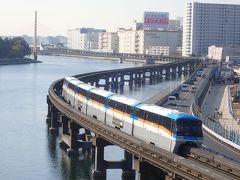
14	48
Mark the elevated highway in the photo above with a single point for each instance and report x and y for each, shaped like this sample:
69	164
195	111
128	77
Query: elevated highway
171	165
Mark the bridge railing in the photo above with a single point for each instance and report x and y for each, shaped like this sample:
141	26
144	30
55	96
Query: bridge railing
211	125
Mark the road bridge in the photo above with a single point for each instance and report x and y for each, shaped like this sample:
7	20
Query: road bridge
145	58
146	155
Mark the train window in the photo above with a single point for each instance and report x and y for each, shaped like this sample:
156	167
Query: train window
76	89
82	91
102	100
128	109
111	103
65	82
119	106
152	118
91	96
71	86
139	113
167	123
160	120
173	125
189	128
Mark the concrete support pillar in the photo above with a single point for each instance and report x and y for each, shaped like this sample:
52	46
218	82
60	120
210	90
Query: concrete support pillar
167	73
127	167
97	83
191	68
100	163
185	71
73	148
121	84
179	70
53	126
114	84
106	87
130	81
147	171
151	78
174	72
135	78
139	79
143	78
65	120
48	118
161	74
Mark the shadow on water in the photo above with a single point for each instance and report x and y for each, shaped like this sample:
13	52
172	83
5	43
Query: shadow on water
70	168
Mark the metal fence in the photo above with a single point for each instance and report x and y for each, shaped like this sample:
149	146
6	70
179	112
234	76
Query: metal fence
210	122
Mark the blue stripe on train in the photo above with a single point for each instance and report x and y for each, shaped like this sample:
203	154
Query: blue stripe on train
106	106
133	117
187	137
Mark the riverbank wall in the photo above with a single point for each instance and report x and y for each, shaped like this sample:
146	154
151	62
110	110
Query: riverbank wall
13	61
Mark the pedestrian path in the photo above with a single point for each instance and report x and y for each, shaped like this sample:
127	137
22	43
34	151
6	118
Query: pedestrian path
216	104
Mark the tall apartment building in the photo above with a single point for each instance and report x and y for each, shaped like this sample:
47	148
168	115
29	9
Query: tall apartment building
150	42
207	24
84	38
108	42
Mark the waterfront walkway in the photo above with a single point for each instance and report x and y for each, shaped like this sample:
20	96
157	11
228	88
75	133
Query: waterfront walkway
216	104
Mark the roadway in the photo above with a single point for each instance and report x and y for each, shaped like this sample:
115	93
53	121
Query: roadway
183	105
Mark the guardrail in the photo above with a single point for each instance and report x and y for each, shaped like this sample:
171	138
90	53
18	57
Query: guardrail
211	126
231	106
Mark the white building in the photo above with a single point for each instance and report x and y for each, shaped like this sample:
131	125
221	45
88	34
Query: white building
108	42
149	41
73	38
84	38
207	24
222	52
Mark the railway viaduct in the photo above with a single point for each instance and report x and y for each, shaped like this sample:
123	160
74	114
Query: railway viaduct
146	159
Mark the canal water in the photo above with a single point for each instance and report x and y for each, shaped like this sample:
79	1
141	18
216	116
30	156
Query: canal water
27	150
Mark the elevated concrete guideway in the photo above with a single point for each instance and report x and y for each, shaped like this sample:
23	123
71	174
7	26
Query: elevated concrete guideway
147	155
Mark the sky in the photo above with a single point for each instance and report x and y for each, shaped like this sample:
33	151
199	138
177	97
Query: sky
56	16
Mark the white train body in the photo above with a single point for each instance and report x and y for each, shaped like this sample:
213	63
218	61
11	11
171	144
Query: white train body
165	128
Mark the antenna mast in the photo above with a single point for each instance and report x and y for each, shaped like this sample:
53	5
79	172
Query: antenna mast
35	39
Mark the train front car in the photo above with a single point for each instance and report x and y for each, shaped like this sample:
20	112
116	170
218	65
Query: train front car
169	129
188	132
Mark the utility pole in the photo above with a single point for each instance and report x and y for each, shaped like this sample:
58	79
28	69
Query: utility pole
35	38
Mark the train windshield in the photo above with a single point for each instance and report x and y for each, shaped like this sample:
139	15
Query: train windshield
189	128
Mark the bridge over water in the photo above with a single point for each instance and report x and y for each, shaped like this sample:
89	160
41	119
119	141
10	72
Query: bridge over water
120	56
147	158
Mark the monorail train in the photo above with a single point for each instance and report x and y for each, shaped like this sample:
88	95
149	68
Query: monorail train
165	128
